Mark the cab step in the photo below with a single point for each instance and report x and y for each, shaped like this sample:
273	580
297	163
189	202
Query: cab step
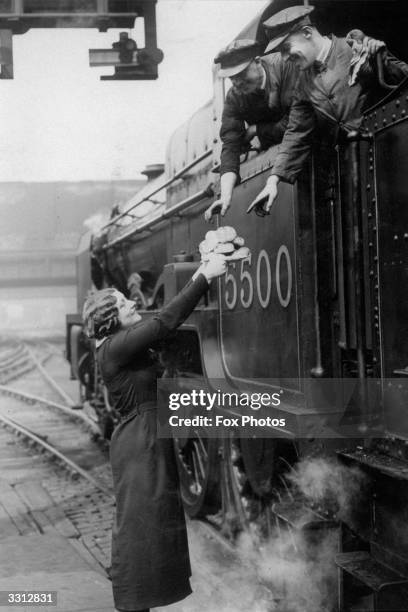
300	517
362	566
388	587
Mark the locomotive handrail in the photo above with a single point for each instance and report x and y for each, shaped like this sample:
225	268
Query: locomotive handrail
177	208
380	71
389	96
178	175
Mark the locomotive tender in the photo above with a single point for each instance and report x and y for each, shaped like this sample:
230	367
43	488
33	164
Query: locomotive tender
320	298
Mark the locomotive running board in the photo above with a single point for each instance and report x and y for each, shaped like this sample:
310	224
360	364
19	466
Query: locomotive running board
384	582
362	566
301	518
376	461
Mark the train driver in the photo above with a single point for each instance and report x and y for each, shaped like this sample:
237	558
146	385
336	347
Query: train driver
150	559
327	98
260	99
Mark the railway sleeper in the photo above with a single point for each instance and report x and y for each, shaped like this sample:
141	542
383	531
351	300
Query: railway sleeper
11	365
10	359
15	374
20	364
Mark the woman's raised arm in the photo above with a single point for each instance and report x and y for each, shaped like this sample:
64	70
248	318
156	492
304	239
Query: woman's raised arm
126	343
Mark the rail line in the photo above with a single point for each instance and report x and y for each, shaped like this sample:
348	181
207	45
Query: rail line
30	399
20	360
43	446
79	481
53	423
50	424
52	383
15	362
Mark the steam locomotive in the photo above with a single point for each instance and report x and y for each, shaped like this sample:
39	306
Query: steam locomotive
321	298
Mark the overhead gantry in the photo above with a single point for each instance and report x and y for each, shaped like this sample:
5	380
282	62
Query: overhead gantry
129	60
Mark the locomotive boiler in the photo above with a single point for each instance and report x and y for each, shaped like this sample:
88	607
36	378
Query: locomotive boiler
317	312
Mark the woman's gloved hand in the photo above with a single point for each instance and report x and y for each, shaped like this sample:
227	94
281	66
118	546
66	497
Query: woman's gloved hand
223	241
217	249
214	266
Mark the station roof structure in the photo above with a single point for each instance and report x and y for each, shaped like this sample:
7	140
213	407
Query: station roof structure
21	15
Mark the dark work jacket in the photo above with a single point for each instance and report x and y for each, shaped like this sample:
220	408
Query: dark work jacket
150	559
268	109
325	105
126	365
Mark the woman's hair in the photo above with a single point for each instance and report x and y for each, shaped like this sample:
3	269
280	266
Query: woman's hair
100	314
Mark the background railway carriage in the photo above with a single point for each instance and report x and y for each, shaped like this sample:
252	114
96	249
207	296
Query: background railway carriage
321	297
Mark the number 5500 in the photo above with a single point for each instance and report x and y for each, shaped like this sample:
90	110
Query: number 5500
241	288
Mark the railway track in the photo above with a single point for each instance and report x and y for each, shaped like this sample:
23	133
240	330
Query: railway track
15	362
53	421
79	481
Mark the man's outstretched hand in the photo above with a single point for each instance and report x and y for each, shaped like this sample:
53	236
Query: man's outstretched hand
265	198
218	206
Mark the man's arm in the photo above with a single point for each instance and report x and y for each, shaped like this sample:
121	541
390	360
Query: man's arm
395	70
270	134
364	47
222	204
282	77
232	134
297	142
292	153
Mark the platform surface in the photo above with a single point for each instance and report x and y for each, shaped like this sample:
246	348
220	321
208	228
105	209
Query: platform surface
48	562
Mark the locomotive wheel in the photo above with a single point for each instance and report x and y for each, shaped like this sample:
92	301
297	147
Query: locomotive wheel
86	369
197	459
233	517
252	475
259	456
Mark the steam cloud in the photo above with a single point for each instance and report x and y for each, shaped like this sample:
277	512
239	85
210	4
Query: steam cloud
298	573
96	222
327	483
294	571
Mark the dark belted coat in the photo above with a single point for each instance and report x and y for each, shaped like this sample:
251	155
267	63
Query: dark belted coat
268	109
326	104
150	559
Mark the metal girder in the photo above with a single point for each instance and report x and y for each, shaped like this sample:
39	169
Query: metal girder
140	65
6	54
21	15
18	16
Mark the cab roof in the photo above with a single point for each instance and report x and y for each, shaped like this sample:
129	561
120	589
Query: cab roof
383	19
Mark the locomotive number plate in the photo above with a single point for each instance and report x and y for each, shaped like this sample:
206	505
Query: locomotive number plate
260	277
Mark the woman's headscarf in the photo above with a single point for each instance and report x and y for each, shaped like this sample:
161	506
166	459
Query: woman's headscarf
100	314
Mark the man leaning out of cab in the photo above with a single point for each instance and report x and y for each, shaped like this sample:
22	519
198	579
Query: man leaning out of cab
331	95
257	105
